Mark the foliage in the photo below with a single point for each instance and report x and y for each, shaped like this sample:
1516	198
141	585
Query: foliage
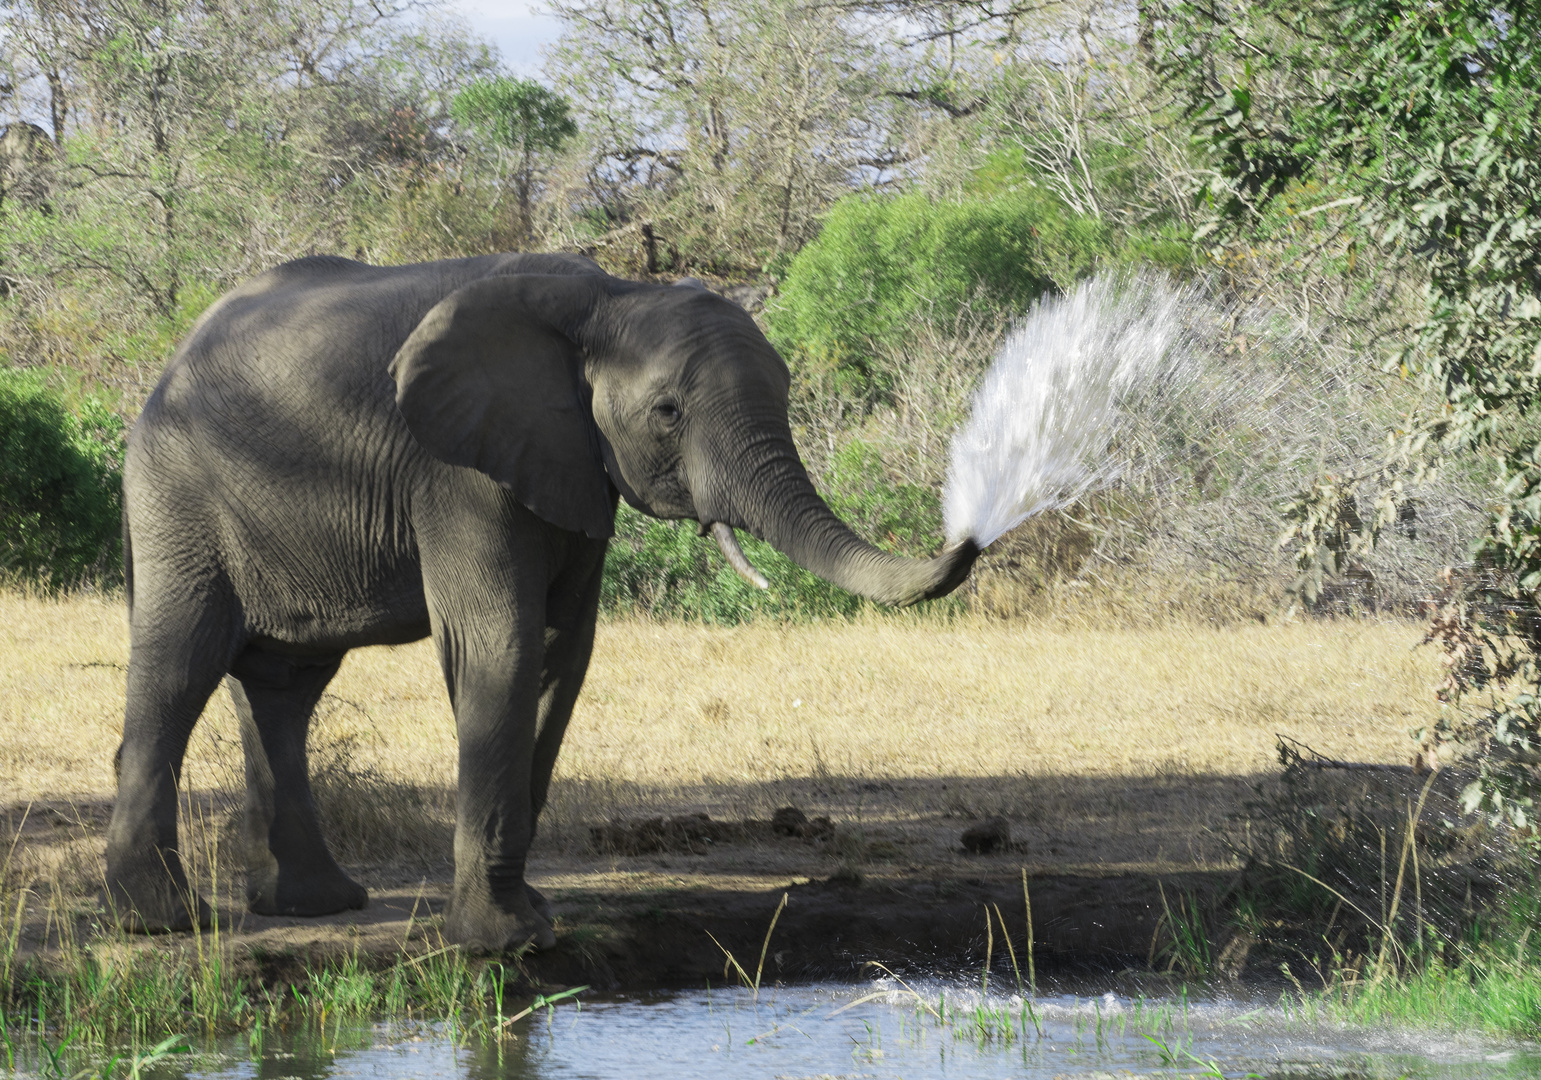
184	146
1332	541
1377	886
1384	859
60	485
1080	114
193	145
1419	125
880	265
517	113
1489	986
664	569
86	1008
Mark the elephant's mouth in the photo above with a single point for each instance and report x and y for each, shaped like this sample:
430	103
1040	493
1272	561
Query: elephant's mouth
723	534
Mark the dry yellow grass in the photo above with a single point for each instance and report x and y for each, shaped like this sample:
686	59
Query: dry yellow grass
891	699
680	705
835	715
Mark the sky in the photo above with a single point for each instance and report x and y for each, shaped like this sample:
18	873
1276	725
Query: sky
513	27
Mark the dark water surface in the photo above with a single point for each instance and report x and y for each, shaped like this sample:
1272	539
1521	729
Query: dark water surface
830	1031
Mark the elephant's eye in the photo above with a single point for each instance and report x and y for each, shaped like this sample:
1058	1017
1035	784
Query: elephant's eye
667	411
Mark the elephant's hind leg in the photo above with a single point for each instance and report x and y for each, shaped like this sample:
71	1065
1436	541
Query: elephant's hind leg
179	649
289	869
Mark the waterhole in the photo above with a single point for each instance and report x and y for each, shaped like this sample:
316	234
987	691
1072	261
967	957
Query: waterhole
880	1030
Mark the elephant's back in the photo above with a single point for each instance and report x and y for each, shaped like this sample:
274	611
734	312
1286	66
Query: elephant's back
325	325
313	338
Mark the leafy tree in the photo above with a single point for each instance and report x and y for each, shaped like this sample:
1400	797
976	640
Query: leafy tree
879	265
718	131
196	143
520	116
1416	127
131	87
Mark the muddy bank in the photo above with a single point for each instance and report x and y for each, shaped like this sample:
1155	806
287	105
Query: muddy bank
835	928
656	937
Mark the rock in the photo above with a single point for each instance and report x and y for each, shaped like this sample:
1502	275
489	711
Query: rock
988	837
696	834
692	834
790	821
750	296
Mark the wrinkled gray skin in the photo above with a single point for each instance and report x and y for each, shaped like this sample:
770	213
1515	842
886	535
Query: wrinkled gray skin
343	455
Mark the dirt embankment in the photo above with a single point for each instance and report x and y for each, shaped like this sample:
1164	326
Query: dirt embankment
661	935
836	928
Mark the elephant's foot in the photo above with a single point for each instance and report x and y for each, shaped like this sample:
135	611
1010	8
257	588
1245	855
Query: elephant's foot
283	891
539	902
483	927
155	899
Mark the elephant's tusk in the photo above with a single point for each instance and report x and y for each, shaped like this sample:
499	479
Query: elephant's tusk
735	555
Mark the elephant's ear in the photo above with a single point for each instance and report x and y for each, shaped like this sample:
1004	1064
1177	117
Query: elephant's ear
492	379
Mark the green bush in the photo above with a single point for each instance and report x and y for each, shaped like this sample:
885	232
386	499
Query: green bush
882	264
904	518
60	485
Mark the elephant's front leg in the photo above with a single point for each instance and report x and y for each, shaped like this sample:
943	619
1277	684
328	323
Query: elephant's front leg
496	695
572	606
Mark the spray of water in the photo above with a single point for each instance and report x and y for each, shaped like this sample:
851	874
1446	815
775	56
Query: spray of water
1047	412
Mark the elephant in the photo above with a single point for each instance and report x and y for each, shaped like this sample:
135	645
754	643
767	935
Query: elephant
341	454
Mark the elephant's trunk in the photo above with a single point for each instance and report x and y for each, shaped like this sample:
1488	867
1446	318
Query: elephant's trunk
779	504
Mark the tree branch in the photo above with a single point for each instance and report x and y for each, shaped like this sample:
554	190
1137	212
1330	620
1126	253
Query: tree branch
939	100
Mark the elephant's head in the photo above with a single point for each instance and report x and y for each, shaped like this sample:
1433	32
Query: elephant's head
559	386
